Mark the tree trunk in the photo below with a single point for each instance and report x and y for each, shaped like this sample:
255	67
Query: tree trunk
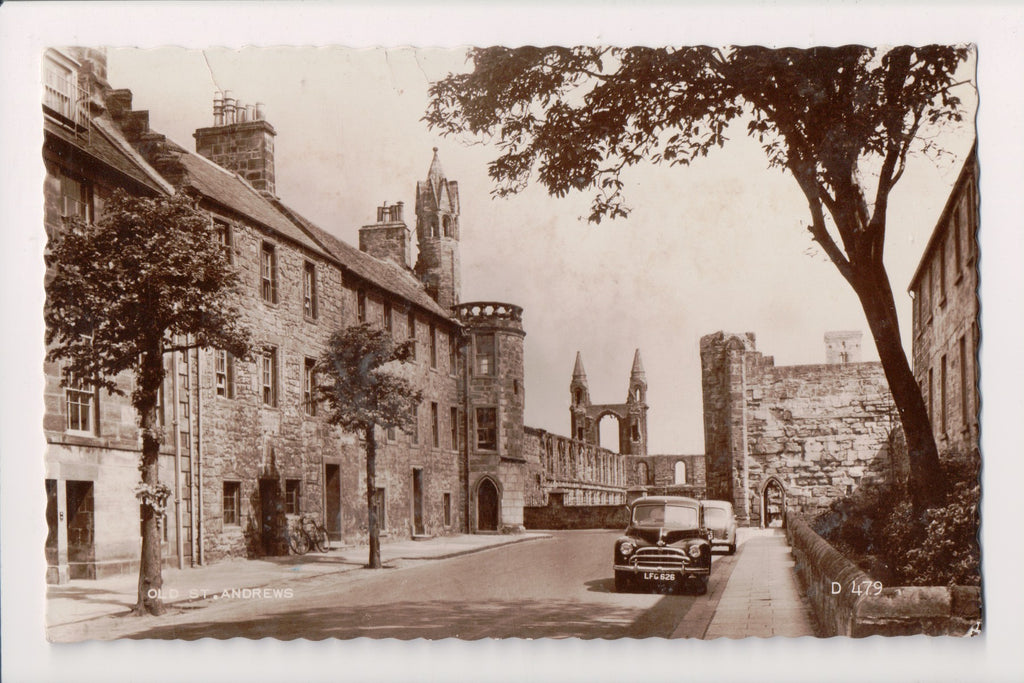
150	577
927	485
371	497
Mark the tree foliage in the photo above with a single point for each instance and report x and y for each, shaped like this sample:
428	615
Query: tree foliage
362	380
840	120
148	277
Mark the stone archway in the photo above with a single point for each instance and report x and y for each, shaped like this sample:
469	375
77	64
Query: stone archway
773	503
488	500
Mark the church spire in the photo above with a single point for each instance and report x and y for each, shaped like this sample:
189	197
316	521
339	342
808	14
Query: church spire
578	372
638	367
436	174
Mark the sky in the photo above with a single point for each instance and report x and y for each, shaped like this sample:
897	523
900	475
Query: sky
718	245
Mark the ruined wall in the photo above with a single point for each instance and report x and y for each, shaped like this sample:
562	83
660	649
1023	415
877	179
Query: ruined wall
660	471
815	431
583	474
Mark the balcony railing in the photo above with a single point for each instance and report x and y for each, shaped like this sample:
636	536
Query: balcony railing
62	95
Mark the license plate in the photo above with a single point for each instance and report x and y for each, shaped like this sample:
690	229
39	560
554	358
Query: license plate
659	576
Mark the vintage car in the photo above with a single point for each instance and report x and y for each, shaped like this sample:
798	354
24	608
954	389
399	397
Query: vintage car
719	518
665	545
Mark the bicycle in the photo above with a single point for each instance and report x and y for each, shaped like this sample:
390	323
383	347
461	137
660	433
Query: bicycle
307	533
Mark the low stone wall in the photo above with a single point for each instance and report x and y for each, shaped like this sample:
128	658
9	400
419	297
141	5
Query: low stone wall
848	602
555	515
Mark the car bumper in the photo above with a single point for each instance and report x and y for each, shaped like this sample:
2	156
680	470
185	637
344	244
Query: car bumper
696	570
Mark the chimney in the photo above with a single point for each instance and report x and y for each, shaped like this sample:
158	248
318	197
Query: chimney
240	140
389	237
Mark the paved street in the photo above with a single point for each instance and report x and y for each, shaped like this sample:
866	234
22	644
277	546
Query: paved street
560	586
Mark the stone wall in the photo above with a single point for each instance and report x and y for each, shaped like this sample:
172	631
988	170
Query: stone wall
583	474
848	602
660	471
946	306
808	433
557	515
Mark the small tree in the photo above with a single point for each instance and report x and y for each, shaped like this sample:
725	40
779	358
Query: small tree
840	120
363	388
148	278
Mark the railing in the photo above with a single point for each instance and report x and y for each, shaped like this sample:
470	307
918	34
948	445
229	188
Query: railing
63	95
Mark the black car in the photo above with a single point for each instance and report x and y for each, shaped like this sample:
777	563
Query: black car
665	545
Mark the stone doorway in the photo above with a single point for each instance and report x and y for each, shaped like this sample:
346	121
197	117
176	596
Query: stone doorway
487	506
332	501
417	502
71	531
773	504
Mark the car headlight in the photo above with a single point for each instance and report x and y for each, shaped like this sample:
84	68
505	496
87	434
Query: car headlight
626	548
694	551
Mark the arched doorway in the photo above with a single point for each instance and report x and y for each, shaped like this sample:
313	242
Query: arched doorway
487	500
773	504
609	432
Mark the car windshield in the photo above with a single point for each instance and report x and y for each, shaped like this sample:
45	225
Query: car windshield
716	516
681	516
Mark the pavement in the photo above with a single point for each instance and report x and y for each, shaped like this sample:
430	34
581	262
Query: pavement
82	600
762	598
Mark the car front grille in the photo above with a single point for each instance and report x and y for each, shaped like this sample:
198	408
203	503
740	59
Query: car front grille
653	558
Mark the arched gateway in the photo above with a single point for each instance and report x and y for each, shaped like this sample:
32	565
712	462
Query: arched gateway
487	502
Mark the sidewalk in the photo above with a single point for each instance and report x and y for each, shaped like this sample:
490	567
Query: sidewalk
82	600
762	597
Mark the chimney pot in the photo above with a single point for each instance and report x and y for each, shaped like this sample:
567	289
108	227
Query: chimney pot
259	111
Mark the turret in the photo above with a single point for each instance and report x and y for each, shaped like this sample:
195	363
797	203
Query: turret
579	400
437	234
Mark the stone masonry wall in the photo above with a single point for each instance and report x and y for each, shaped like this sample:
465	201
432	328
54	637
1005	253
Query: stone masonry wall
582	474
816	431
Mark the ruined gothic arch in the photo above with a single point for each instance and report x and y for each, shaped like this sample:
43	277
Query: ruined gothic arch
620	421
772	502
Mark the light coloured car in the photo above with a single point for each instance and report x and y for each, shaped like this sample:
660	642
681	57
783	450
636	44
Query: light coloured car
720	520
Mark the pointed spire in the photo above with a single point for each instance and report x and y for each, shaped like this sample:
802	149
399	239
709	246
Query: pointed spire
578	372
638	366
436	174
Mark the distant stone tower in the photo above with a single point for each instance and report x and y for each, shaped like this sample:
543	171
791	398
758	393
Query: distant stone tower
632	415
494	399
437	232
842	347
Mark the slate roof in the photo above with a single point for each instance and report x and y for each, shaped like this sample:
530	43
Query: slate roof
230	190
98	142
384	274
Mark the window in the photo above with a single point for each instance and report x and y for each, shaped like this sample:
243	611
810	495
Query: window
380	507
224	371
487	429
412	333
454	426
931	383
61	92
957	247
390	433
309	299
942	273
292	492
268	376
75	198
634	431
415	424
435	426
942	392
222	230
579	433
232	503
680	473
963	381
453	354
433	346
361	306
268	273
82	406
309	387
485	354
389	318
446	505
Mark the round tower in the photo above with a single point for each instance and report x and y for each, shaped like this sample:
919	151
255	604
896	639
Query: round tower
437	234
494	399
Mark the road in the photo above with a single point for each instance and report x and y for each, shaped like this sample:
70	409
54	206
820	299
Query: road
548	588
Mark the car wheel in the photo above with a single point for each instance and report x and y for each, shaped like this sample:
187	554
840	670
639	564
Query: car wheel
702	585
732	548
623	582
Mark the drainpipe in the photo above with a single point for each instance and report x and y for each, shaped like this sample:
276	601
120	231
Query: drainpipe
177	459
197	514
465	420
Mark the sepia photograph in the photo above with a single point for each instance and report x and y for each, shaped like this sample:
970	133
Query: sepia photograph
500	343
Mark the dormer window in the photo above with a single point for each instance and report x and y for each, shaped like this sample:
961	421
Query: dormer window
62	95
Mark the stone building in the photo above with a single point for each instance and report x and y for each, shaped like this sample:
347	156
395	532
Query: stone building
945	318
246	447
795	436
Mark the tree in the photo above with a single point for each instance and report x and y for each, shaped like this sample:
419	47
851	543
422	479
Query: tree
361	382
148	278
840	120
